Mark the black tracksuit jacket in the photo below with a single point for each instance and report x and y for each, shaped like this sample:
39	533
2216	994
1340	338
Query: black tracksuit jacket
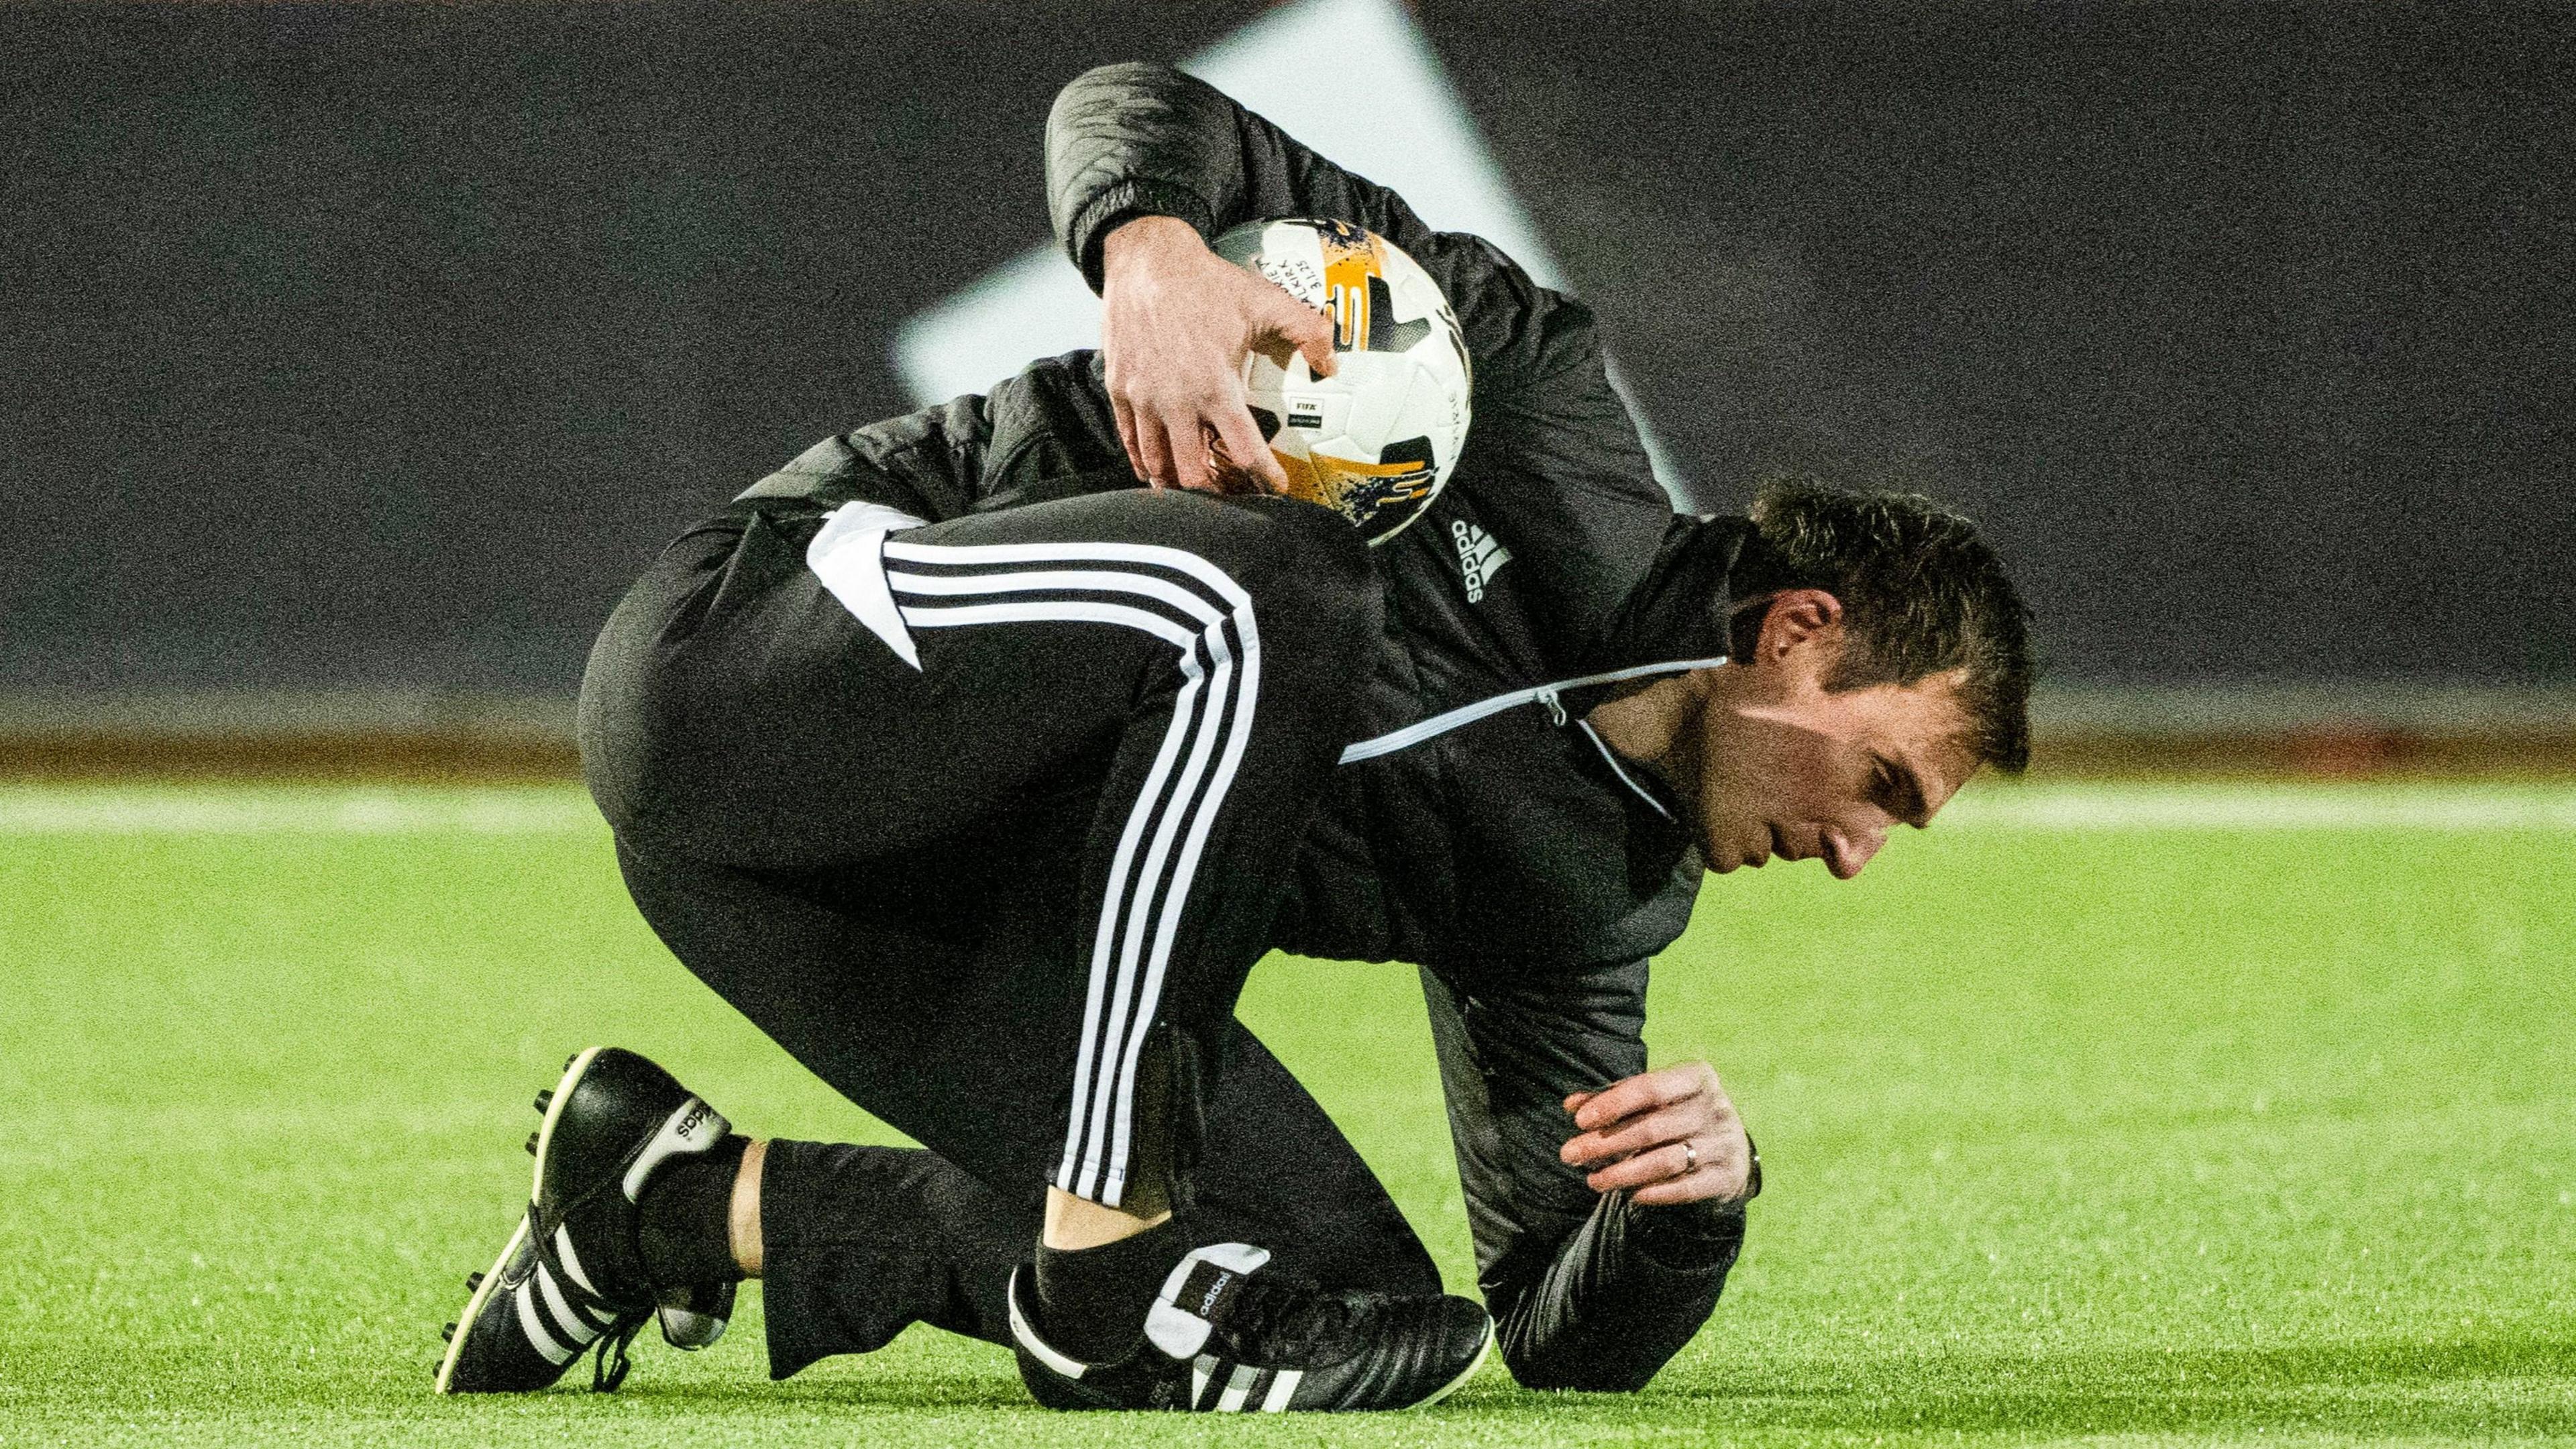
1510	842
1500	855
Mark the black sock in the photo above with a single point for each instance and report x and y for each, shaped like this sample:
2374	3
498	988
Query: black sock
684	1221
1092	1301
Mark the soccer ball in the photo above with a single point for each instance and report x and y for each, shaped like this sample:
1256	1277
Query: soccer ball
1376	441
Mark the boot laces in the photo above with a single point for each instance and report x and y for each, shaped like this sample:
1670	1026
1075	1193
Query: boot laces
607	1372
1284	1320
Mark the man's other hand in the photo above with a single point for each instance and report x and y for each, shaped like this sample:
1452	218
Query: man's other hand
1176	323
1670	1135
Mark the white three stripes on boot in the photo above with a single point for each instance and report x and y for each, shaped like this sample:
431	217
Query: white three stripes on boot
1242	1383
1148	893
558	1330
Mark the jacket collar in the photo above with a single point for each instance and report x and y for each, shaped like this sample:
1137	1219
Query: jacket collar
1679	608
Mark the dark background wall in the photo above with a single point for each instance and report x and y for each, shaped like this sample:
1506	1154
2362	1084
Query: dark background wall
360	346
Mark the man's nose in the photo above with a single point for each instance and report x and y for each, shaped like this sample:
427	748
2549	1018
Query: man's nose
1845	854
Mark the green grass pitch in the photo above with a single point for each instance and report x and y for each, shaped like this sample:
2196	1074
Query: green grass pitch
2239	1115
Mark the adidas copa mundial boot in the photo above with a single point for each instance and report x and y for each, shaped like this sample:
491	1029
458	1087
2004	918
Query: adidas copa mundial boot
571	1276
1224	1337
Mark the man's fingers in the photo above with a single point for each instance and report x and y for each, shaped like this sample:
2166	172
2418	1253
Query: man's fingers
1720	1169
1674	1190
1241	440
1668	1174
1637	1094
1282	325
1635	1135
1185	444
1310	332
1668	1136
1127	436
1153	452
1663	1164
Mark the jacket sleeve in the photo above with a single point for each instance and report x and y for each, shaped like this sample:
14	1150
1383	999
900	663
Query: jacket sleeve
1142	139
1589	1291
1554	457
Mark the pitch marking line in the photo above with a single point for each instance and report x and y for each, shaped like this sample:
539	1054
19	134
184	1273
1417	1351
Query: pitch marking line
289	810
2263	807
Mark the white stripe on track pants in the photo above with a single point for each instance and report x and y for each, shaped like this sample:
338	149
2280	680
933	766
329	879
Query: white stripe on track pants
1037	792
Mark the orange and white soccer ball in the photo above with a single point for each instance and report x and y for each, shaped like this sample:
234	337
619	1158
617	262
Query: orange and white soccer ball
1378	440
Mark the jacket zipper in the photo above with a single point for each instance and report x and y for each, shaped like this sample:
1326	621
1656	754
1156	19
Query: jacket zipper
856	576
1547	694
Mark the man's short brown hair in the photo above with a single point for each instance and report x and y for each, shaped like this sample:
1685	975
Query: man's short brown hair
1922	594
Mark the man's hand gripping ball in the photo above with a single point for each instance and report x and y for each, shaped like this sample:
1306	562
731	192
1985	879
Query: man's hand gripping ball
1176	323
1670	1136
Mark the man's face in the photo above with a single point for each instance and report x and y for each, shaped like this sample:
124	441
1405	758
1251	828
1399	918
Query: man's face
1788	770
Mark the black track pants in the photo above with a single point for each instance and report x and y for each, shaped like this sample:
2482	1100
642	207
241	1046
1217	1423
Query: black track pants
968	819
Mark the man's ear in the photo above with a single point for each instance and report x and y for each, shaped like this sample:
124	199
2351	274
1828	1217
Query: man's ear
1799	623
1799	633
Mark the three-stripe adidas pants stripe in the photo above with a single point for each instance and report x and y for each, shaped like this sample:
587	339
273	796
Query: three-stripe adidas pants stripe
1008	842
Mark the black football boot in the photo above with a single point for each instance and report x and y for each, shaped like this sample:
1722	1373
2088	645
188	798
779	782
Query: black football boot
1226	1338
571	1275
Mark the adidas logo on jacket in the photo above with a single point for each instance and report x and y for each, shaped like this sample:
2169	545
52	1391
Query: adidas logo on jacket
1480	556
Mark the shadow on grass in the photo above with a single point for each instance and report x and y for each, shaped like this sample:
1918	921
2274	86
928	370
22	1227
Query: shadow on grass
2462	1387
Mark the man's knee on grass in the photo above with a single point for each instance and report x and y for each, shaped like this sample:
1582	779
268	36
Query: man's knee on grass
1620	1298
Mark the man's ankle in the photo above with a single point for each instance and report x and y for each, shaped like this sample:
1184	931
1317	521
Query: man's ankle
742	1216
1092	1301
1074	1224
683	1226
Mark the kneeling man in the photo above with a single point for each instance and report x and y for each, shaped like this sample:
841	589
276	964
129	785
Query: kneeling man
979	776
